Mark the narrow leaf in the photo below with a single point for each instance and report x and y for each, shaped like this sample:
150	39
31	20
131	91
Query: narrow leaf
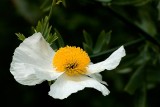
45	4
140	99
64	3
102	42
87	48
135	80
60	39
20	36
158	8
106	41
88	39
51	39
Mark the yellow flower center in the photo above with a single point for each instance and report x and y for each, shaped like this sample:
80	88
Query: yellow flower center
72	60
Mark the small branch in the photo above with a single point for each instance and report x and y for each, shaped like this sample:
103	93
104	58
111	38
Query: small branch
51	9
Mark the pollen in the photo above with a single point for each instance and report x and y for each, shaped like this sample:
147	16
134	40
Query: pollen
71	60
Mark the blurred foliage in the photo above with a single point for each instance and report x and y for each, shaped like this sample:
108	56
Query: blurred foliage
100	45
45	29
99	27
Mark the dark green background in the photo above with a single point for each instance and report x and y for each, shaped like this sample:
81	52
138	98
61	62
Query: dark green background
128	21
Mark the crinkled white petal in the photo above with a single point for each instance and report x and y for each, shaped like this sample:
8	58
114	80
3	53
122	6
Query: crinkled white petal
66	85
110	63
32	61
98	77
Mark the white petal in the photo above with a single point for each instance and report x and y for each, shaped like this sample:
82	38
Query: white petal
66	85
31	59
98	77
110	63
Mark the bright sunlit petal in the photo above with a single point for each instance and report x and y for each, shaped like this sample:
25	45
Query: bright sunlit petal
31	59
66	85
110	63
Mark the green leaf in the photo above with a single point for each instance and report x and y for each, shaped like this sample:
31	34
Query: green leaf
88	39
59	1
64	3
102	42
140	97
143	2
135	80
158	7
20	36
46	3
60	39
107	41
45	29
87	48
46	9
51	38
145	21
28	10
42	26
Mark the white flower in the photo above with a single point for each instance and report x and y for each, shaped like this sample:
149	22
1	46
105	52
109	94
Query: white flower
34	61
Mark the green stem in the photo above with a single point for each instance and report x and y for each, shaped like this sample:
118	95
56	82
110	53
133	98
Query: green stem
51	10
49	16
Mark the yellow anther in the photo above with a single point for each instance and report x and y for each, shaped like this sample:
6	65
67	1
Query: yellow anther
72	60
